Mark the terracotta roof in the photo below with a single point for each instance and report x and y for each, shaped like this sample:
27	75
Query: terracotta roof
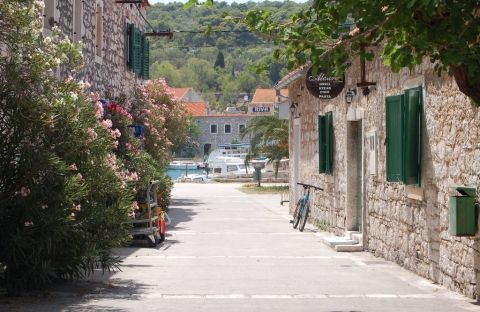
267	95
227	115
197	109
179	93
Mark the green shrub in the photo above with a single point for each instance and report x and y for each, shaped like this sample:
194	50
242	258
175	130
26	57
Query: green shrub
64	202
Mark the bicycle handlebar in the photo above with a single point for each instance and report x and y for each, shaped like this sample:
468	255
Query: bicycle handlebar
310	186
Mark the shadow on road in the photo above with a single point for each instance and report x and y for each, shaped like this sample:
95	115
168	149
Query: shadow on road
77	296
181	211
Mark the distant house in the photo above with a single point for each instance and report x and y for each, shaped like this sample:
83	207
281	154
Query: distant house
196	109
186	95
268	95
222	129
214	130
265	103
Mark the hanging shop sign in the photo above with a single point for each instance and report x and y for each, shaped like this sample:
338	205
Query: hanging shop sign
324	87
260	109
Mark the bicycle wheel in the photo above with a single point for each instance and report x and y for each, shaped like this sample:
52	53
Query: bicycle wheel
304	216
296	213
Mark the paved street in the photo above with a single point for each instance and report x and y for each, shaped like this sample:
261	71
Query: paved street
230	251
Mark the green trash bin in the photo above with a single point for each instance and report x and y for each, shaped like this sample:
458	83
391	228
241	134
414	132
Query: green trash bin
258	175
463	217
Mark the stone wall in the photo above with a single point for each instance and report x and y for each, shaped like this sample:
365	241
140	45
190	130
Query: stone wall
219	138
108	75
404	224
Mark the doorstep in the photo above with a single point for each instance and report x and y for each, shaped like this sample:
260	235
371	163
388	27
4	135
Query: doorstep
351	242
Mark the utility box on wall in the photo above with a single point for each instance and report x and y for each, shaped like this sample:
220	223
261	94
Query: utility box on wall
463	217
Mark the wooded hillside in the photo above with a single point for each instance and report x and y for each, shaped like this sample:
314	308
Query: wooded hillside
211	55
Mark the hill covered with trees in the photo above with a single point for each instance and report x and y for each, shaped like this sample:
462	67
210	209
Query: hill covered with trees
211	55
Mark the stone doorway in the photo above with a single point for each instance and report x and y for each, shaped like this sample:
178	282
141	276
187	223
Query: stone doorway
296	159
206	149
355	177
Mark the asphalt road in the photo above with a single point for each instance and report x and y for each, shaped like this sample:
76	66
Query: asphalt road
230	251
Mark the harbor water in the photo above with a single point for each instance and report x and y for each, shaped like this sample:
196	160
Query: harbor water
174	174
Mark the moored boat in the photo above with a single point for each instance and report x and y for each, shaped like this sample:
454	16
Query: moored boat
182	165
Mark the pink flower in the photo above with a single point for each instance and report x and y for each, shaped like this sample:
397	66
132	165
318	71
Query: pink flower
73	167
44	207
99	112
134	206
92	134
111	161
28	223
107	123
79	176
115	144
117	133
69	79
77	207
24	191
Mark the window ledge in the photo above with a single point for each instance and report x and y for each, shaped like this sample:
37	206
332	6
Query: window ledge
414	192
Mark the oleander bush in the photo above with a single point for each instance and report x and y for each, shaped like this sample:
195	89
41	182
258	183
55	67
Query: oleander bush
64	198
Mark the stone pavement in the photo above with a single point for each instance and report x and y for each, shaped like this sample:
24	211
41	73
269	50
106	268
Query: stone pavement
230	251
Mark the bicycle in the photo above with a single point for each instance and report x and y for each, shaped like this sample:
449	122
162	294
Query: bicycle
300	214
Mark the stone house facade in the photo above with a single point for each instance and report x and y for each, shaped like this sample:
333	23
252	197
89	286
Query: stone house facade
401	222
102	26
217	130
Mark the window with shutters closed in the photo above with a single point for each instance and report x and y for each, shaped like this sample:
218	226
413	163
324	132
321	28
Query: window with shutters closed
325	143
404	136
138	52
145	58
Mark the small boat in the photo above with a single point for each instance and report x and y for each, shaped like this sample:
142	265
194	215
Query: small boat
182	165
197	178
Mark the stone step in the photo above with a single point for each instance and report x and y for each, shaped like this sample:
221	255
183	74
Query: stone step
333	241
349	248
351	233
358	237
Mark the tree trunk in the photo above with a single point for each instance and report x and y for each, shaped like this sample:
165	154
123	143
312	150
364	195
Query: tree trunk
461	77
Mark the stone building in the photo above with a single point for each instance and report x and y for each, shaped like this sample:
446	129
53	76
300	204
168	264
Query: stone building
218	130
115	50
388	157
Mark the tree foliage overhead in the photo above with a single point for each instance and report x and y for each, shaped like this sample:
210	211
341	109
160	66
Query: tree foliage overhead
445	31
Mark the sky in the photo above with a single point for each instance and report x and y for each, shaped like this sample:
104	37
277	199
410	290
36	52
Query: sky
228	1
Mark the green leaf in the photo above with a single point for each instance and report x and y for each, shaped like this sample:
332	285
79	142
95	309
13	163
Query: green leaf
189	4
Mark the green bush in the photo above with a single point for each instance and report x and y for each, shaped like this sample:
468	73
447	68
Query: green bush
64	202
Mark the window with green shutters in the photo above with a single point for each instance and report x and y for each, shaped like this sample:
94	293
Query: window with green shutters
404	136
145	58
138	52
325	143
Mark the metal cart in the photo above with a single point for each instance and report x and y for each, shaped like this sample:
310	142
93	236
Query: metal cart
145	223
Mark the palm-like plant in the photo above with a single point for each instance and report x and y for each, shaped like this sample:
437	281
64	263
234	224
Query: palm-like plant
268	137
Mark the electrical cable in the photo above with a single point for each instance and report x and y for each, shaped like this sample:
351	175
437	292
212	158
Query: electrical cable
143	17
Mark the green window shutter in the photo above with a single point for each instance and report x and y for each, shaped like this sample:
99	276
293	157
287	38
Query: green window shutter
137	52
412	136
322	120
145	58
130	50
329	143
325	143
394	137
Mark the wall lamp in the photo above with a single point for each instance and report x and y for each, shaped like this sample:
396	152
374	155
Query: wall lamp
293	108
349	95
